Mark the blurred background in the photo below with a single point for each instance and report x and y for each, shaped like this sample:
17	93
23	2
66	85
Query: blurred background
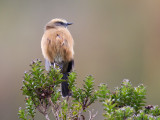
114	40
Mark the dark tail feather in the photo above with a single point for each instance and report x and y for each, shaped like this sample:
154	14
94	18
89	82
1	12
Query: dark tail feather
65	85
70	66
65	89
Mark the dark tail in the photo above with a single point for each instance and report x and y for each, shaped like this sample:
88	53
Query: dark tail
65	86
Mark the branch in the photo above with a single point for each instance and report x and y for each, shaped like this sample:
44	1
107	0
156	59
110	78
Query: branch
92	116
47	117
56	114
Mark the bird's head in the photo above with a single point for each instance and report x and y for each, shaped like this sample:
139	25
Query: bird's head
57	23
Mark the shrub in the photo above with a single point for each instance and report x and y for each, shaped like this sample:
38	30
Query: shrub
42	92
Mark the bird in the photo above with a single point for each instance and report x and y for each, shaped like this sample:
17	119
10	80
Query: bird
57	49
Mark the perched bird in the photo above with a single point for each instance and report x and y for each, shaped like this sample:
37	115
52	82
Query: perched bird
57	48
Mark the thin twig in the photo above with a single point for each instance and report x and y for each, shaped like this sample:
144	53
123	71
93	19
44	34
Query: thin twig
40	110
43	110
79	114
92	116
53	107
69	105
47	117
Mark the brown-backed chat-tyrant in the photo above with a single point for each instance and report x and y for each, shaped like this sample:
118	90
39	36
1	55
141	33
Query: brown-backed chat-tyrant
57	48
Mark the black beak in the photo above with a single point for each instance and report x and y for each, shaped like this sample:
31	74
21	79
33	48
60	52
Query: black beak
69	23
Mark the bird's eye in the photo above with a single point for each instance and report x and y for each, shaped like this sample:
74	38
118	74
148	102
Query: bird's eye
59	23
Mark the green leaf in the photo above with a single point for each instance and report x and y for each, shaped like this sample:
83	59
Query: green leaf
103	92
88	85
21	114
30	108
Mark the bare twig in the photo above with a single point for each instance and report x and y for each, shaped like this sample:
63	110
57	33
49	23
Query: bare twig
40	110
69	105
43	110
47	117
56	108
92	116
79	114
82	117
